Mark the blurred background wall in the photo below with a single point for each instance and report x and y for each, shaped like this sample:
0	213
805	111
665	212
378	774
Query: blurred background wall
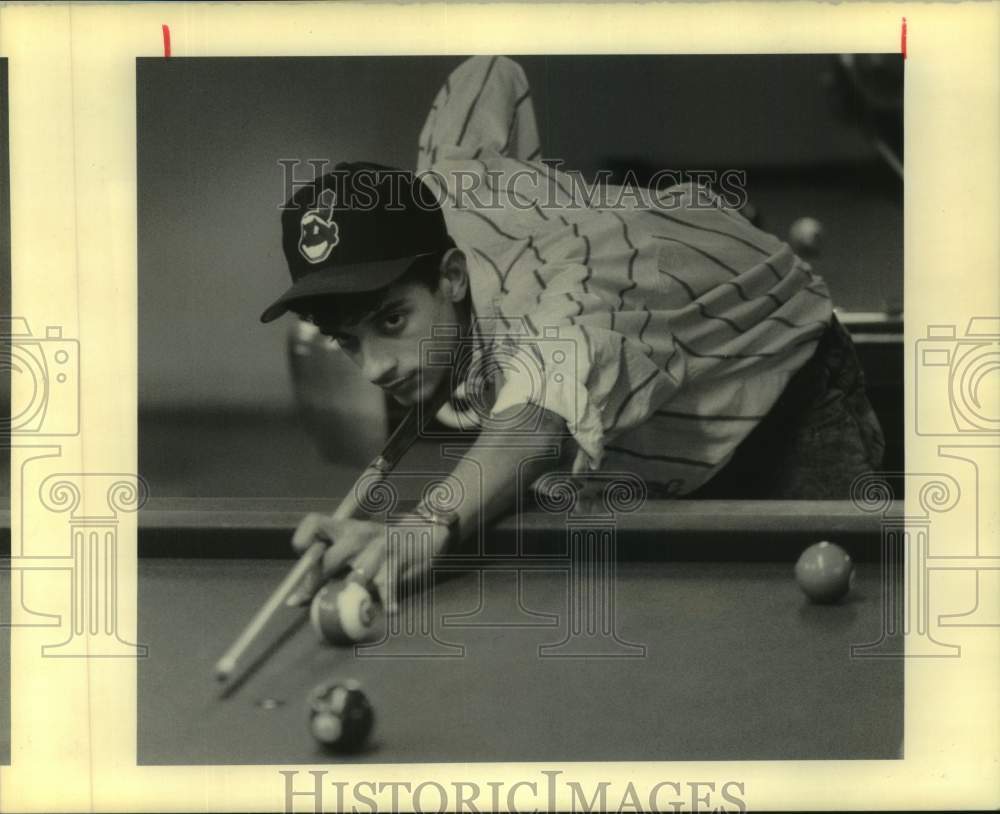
212	131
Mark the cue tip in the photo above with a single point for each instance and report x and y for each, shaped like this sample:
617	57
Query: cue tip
224	669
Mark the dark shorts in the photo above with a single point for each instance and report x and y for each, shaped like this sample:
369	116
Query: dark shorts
819	436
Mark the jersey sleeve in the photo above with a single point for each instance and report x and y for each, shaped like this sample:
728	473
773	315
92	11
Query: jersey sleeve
602	371
660	325
483	108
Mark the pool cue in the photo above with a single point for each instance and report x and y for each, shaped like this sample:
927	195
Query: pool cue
399	442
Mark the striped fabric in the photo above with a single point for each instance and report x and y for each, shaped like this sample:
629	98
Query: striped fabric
684	322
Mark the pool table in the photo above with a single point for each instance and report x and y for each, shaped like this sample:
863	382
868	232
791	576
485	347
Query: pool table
713	652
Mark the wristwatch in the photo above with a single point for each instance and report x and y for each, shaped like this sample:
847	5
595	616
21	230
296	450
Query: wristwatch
447	519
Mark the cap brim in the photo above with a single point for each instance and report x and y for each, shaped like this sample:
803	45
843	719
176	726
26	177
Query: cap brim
344	280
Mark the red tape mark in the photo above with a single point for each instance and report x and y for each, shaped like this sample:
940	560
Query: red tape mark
166	40
902	39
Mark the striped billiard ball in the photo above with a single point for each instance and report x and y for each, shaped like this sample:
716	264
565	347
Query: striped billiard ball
343	612
340	715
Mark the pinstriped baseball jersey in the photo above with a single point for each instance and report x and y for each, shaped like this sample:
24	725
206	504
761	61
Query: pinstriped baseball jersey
687	321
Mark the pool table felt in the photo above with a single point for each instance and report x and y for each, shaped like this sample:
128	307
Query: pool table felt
738	666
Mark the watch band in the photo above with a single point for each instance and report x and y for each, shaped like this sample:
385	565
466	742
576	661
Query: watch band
447	519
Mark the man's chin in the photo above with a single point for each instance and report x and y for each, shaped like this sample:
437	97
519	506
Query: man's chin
411	396
406	400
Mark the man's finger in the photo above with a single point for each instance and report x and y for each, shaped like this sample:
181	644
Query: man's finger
369	562
312	527
308	587
388	597
338	554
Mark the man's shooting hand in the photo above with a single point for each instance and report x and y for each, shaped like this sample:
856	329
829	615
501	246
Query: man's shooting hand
407	563
345	538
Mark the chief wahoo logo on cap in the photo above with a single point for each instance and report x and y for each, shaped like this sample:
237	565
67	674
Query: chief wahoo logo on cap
320	232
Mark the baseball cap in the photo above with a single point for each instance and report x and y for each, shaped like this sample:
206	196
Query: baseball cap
356	229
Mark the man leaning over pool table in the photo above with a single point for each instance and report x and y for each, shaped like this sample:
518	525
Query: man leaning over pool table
707	358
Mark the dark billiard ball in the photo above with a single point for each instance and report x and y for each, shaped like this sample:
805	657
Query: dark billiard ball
825	572
343	612
340	715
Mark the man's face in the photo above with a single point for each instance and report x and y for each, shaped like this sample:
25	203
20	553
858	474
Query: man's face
386	345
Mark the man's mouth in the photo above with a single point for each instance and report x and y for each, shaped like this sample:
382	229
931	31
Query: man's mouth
400	383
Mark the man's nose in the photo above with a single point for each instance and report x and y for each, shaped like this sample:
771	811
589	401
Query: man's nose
379	369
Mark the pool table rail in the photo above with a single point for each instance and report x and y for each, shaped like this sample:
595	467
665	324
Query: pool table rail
661	529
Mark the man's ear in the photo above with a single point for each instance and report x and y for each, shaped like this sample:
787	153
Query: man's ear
454	275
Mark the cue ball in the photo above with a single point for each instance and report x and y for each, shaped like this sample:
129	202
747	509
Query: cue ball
340	715
825	572
343	612
805	235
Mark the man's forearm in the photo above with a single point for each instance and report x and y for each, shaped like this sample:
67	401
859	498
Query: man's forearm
501	465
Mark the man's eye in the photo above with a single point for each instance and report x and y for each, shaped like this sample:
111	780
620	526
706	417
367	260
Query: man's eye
395	321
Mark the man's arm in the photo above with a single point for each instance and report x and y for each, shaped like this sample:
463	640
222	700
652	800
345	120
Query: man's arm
502	464
497	469
483	108
494	472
